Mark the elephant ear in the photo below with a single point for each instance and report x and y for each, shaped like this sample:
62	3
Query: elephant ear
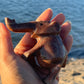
53	28
46	28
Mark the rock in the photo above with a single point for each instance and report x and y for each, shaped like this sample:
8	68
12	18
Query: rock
83	77
73	73
76	73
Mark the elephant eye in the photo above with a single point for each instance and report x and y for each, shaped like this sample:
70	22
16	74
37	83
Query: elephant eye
41	24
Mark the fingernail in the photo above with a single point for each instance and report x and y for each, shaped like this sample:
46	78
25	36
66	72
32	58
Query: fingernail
49	9
0	29
69	21
3	29
0	26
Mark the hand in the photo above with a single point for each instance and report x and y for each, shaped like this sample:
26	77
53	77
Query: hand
13	68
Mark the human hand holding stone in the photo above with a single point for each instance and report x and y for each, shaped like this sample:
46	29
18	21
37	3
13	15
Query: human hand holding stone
13	68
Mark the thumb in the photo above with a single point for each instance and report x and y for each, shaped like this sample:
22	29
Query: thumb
6	46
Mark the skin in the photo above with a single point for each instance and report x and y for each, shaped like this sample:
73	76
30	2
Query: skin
13	69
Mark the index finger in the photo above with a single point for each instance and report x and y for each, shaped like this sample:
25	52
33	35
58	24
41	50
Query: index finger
45	16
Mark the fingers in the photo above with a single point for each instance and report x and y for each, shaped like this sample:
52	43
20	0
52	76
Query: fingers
6	47
67	39
27	42
68	42
59	18
66	28
45	16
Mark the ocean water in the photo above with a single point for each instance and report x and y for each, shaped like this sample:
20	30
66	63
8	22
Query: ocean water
29	10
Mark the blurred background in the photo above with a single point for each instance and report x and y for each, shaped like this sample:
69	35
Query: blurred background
29	10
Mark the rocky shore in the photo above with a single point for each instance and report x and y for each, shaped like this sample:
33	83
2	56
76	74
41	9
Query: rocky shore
73	73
